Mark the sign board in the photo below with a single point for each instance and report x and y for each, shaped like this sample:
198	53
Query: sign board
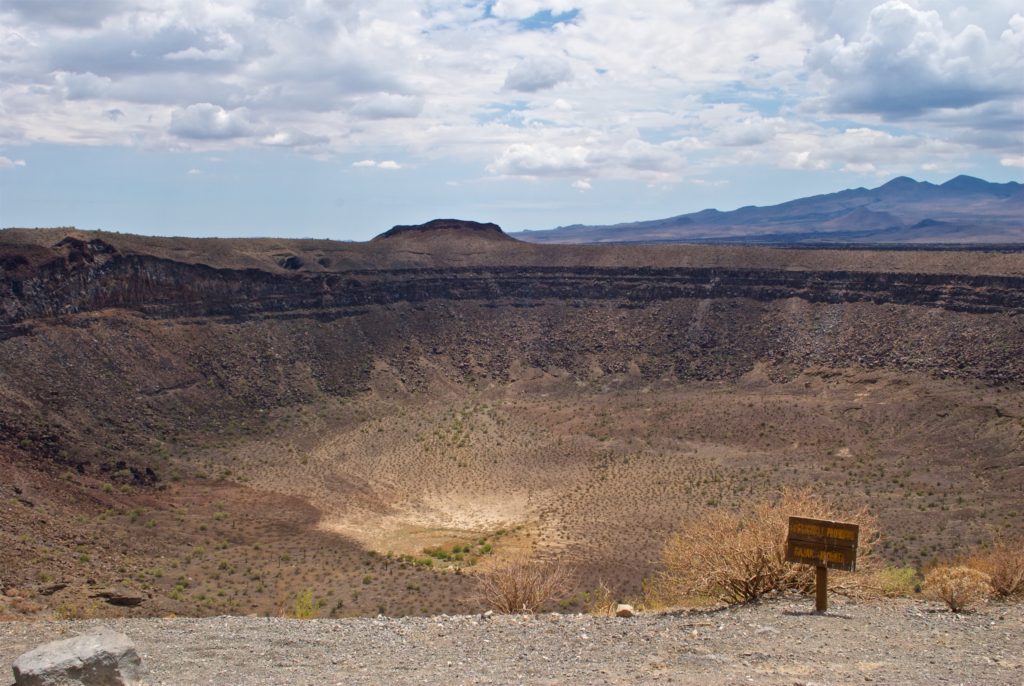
822	543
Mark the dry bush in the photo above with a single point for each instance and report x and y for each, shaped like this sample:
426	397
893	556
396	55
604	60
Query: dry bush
960	587
1004	565
602	601
738	555
523	585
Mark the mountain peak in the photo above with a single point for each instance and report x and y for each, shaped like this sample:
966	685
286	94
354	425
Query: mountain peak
963	182
899	183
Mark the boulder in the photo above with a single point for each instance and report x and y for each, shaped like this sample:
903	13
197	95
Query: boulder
100	658
623	610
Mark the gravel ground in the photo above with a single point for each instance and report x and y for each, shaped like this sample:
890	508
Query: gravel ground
773	642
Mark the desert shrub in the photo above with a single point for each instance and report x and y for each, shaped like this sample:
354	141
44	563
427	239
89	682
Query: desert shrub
601	601
305	607
960	587
1003	562
738	555
894	582
523	585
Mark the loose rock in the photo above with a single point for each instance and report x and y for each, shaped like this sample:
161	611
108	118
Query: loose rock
101	658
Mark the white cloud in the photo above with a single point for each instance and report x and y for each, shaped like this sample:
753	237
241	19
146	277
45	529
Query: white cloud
860	167
537	73
388	106
1012	161
906	62
383	164
8	163
645	90
802	159
194	172
294	138
204	121
75	86
225	47
582	184
526	159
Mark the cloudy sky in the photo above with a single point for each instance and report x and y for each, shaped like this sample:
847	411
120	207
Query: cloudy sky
340	118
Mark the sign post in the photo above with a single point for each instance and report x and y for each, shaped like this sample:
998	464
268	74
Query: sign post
824	544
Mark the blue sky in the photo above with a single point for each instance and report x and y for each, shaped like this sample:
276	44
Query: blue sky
341	118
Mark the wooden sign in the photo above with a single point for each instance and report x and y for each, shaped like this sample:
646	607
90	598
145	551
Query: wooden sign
824	544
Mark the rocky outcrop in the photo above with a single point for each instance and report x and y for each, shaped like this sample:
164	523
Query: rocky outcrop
83	281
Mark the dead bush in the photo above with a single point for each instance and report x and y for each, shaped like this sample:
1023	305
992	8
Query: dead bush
1003	562
601	601
738	555
960	587
523	585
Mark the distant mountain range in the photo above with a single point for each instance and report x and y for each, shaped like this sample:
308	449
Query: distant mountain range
963	210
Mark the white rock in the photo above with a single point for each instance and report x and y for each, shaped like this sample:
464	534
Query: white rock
101	658
623	610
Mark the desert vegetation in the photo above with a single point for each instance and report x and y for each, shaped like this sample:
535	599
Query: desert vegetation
1003	563
738	554
524	585
960	587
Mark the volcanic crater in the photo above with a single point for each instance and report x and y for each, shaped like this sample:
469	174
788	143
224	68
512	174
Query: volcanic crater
219	425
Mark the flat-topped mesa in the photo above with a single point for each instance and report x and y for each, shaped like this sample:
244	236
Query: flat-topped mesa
448	227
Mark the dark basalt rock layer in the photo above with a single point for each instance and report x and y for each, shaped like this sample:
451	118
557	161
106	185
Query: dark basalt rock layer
165	288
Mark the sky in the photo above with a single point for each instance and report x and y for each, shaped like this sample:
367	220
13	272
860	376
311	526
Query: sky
341	118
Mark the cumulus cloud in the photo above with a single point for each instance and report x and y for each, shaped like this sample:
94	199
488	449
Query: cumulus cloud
76	86
1012	161
382	164
205	121
389	106
642	90
641	155
222	47
294	138
907	61
537	73
541	159
859	150
8	163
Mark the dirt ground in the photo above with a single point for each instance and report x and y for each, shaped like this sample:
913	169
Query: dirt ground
776	642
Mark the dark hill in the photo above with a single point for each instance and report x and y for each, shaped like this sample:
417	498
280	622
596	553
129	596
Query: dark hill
447	227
